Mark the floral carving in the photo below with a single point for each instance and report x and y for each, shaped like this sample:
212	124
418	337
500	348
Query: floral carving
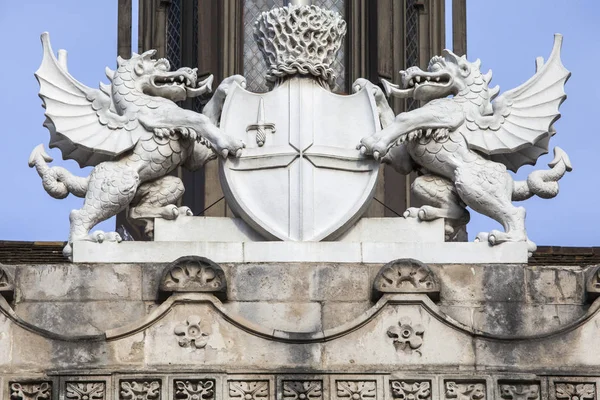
404	390
30	390
140	390
85	391
356	390
520	391
249	390
406	336
406	276
302	390
194	274
465	391
577	391
190	333
195	389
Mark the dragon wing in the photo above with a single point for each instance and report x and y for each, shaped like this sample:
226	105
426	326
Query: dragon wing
82	121
521	126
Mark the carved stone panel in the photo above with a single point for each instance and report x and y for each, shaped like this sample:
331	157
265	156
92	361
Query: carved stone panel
194	274
465	390
7	288
575	391
30	390
406	276
302	390
410	390
139	389
194	389
356	389
249	389
520	391
593	285
85	390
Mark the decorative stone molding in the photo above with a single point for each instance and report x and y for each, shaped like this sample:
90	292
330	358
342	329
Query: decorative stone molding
190	333
520	391
303	390
575	391
592	287
85	391
30	390
194	389
249	390
7	288
406	275
406	336
194	274
411	390
281	36
465	390
139	390
356	390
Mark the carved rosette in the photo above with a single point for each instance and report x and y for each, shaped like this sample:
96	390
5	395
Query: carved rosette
140	390
85	390
411	390
303	390
300	40
465	390
249	390
406	276
406	336
30	390
190	333
200	389
575	391
194	274
520	391
356	390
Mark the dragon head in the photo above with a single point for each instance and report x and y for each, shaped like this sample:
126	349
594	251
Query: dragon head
153	77
446	75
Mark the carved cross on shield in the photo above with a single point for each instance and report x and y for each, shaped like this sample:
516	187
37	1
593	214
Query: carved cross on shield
307	182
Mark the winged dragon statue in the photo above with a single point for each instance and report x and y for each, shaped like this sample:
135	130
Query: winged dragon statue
463	145
132	132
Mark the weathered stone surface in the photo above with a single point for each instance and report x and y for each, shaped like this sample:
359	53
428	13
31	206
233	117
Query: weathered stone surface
340	283
555	285
5	343
293	317
77	282
336	313
81	318
267	282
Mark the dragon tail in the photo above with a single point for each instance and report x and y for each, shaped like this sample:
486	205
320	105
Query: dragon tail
544	183
57	181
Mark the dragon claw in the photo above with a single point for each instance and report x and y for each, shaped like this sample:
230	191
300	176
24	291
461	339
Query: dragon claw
225	153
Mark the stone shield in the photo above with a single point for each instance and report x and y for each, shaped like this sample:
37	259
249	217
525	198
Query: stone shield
300	177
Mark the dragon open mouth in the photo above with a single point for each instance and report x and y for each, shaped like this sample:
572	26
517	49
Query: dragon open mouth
178	80
427	79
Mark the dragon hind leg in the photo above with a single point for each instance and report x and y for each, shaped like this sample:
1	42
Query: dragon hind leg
440	201
486	187
157	199
111	188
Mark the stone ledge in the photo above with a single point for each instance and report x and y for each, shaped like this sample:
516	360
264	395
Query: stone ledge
338	252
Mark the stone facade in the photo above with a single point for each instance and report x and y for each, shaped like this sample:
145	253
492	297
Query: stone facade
299	331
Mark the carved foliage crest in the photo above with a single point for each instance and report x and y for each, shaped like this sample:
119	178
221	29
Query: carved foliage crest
194	274
406	276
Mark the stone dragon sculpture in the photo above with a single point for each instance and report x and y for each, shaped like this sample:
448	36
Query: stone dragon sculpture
462	145
132	132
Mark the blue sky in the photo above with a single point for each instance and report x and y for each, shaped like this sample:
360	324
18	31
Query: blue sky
506	35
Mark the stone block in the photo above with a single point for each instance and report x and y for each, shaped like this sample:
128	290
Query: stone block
269	282
336	313
78	282
394	230
555	285
340	282
478	283
80	318
291	317
5	342
204	229
302	252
